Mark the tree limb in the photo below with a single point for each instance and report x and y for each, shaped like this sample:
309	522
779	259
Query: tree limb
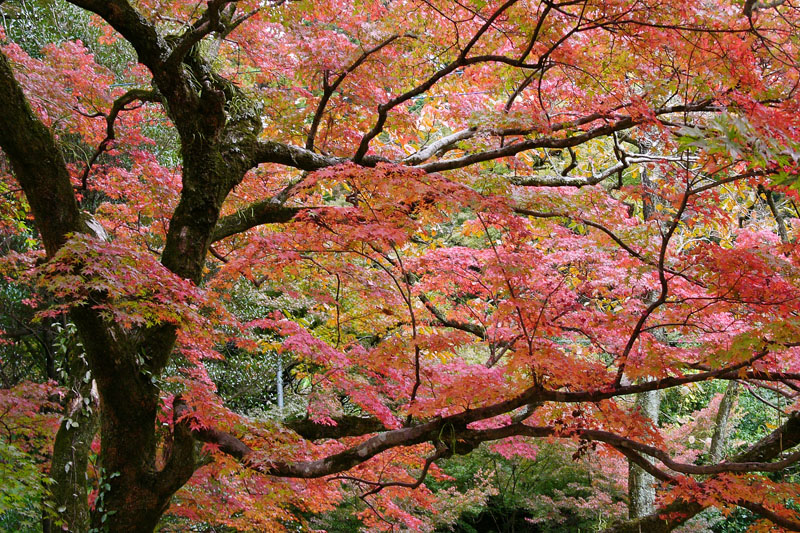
559	180
346	426
668	518
329	89
383	109
118	105
143	36
209	22
445	142
264	212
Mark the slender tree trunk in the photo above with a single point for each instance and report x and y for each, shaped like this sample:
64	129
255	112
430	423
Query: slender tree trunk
641	485
769	199
720	438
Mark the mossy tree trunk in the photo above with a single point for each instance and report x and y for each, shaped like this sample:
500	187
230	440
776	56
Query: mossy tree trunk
217	149
71	450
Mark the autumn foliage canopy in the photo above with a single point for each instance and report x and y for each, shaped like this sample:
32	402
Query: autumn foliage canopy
462	222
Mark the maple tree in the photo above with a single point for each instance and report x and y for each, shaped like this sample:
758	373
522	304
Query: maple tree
485	221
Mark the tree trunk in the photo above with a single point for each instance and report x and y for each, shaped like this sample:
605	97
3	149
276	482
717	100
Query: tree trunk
641	488
70	492
720	438
129	499
641	485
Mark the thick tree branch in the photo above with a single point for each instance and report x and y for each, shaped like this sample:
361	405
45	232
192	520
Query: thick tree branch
620	124
755	459
751	6
265	212
442	144
272	211
558	180
123	17
686	468
346	426
176	84
759	509
451	435
125	396
292	156
209	22
668	518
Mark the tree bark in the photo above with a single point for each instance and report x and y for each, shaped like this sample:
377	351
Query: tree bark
720	437
37	163
70	492
641	485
